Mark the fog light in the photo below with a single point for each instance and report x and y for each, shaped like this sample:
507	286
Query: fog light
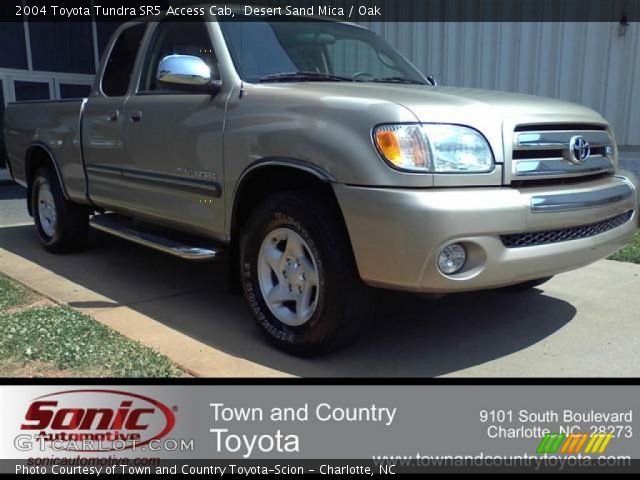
452	258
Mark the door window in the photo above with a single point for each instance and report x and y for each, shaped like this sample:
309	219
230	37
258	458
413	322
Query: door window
117	73
176	38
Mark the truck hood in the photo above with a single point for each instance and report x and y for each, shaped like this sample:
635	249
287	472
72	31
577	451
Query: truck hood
457	105
493	113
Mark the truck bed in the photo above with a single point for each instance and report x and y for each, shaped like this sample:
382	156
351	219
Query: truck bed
53	125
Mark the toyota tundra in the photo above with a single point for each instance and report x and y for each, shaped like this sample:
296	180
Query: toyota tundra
318	162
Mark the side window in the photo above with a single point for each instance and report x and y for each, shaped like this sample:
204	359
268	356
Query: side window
117	73
176	38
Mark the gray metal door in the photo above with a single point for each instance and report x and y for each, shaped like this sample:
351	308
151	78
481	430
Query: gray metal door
174	138
103	121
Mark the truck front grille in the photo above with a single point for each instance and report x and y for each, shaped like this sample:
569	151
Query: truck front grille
543	152
529	239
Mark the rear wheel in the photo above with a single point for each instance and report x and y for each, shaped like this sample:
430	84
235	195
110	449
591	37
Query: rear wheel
62	226
299	276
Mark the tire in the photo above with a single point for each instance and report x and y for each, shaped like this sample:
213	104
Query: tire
62	226
521	287
330	300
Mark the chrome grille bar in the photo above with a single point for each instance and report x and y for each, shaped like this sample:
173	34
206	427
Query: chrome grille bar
558	140
542	153
538	169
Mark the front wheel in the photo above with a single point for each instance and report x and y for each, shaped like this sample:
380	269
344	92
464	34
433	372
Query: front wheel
299	276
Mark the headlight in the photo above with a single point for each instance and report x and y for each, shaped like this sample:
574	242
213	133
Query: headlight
434	148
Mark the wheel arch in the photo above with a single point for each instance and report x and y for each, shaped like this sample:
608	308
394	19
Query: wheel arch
39	155
270	175
266	177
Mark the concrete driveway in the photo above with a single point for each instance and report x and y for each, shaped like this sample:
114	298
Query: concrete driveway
583	323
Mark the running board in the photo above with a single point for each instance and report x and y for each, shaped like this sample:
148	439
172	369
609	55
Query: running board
175	243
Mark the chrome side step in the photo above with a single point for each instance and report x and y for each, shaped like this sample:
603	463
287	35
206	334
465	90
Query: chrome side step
181	245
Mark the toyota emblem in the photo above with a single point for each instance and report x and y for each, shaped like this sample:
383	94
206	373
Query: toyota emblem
579	149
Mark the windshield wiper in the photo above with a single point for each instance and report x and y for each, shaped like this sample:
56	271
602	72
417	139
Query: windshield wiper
304	77
397	80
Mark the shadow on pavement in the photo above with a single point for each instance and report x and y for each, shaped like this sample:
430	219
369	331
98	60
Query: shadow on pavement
409	336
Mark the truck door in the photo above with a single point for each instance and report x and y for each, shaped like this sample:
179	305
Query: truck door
173	137
103	119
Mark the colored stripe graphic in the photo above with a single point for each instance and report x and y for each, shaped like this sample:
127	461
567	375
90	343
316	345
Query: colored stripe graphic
598	442
543	443
550	443
574	442
605	443
582	442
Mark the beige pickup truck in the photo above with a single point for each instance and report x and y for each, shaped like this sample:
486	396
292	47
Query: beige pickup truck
318	162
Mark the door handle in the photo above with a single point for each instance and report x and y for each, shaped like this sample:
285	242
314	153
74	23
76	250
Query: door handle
113	116
135	116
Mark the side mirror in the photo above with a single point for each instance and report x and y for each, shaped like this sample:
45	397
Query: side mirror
432	80
187	72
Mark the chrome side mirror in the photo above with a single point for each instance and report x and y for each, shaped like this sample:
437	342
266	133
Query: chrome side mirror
185	71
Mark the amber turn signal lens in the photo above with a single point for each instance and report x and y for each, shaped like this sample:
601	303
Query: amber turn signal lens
389	146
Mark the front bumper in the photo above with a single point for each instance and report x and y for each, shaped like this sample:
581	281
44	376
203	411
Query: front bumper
397	234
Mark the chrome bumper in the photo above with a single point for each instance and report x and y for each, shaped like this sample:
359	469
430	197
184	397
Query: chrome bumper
397	234
581	200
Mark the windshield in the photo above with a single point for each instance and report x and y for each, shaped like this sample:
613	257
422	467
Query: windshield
264	50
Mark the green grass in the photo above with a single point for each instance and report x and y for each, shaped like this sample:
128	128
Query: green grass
12	294
630	253
29	368
67	340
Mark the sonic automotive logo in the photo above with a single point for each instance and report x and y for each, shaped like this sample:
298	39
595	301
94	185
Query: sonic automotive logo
97	420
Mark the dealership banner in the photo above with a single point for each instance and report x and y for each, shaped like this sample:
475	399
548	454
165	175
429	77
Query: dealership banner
319	429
